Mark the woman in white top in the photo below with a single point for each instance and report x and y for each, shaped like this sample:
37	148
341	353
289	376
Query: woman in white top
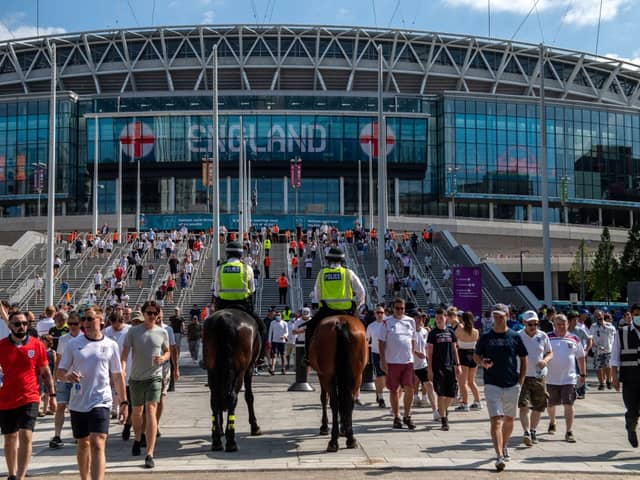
467	337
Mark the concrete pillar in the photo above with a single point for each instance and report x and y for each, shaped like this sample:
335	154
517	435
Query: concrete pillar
491	211
396	196
630	218
171	204
555	286
600	217
229	194
530	213
566	215
341	190
451	208
285	194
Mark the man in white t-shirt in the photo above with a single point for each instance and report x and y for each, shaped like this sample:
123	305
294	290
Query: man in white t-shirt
43	326
277	337
374	331
63	389
533	394
91	362
602	333
396	346
562	376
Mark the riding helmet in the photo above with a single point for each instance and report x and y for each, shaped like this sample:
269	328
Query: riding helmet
335	255
234	249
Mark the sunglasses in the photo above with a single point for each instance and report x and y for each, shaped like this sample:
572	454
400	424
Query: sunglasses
73	324
20	324
531	324
398	308
151	312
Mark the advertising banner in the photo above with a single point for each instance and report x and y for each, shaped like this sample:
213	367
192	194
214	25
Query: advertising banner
467	289
21	168
3	175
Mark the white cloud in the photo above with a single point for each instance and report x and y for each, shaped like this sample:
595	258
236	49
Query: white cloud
343	12
578	12
635	59
586	12
27	31
207	17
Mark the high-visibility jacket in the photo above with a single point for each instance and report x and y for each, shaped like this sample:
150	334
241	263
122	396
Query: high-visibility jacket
233	281
629	354
267	244
286	315
335	288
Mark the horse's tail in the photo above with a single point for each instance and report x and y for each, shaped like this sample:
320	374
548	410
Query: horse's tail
224	391
344	372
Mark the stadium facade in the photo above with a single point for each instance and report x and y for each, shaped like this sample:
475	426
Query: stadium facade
462	122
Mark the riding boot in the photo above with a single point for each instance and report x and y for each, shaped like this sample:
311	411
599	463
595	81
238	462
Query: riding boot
308	334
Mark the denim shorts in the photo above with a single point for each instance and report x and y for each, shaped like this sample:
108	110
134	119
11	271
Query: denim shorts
63	392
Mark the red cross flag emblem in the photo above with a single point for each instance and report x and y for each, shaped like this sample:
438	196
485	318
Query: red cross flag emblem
136	139
369	139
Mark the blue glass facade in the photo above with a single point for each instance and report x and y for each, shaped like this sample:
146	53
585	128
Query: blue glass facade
480	154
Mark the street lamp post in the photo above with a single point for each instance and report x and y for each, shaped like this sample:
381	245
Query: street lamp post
51	193
121	236
522	252
95	177
360	192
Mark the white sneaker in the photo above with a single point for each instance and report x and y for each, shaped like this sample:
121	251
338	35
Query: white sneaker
500	464
436	416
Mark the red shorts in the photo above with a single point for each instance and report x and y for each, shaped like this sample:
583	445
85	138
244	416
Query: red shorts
399	375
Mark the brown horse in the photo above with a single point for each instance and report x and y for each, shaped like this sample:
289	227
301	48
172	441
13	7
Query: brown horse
338	353
231	345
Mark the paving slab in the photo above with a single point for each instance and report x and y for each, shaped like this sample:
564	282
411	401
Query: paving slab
290	442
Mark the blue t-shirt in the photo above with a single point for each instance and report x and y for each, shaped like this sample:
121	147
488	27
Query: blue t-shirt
503	349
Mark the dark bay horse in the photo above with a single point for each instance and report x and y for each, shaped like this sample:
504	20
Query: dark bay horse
231	345
338	353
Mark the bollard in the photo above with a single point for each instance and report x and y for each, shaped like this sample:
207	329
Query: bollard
301	384
367	376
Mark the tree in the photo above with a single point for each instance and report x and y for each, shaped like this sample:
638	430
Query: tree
605	271
630	262
580	271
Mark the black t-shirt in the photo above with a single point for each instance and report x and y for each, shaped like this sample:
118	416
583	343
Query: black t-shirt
176	323
173	263
503	349
442	341
546	326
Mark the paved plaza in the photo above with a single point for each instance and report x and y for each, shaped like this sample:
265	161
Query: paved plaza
290	440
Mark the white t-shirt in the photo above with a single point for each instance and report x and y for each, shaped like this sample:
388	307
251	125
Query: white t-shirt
296	325
278	331
374	330
421	346
603	336
537	347
44	326
398	336
291	338
118	336
95	360
562	367
64	340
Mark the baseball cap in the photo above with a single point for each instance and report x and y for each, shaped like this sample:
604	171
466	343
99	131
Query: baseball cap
306	311
500	308
572	314
529	316
137	316
585	311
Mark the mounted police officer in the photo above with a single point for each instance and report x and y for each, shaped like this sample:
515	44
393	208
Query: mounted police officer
625	360
234	285
334	290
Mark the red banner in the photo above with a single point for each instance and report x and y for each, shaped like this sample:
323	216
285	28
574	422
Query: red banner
21	170
2	169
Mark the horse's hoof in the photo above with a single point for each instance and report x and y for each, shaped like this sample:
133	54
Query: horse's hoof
216	447
352	443
324	430
256	431
332	447
231	447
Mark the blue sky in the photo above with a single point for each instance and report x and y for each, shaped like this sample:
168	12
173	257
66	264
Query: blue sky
569	24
